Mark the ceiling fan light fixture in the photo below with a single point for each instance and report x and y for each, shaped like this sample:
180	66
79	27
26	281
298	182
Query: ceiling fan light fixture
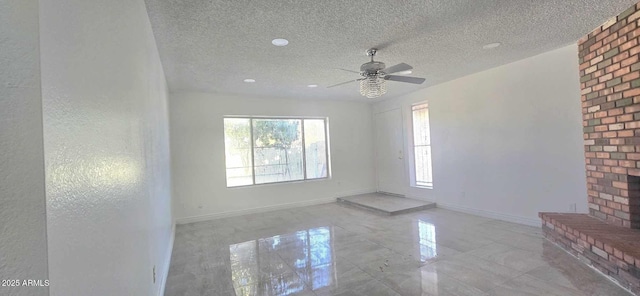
373	86
312	85
249	80
375	75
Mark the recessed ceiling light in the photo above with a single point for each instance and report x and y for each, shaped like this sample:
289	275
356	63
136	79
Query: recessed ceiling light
491	45
249	80
279	42
312	85
405	72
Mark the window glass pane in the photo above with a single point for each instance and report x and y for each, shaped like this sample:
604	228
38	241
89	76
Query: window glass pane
422	145
421	126
237	143
423	166
277	150
315	146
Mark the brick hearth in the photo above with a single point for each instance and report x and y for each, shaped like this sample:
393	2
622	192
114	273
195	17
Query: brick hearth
613	250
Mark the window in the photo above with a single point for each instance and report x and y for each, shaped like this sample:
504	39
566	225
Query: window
272	150
422	145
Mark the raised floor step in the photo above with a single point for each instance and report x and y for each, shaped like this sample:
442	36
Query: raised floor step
386	204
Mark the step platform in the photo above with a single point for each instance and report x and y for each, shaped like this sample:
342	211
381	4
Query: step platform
386	204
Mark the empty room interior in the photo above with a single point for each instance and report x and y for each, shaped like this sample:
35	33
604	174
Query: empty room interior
373	148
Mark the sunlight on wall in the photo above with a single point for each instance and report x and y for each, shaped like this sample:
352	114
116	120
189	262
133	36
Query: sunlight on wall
106	172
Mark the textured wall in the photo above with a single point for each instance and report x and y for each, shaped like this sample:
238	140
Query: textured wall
198	157
23	245
106	148
610	77
506	142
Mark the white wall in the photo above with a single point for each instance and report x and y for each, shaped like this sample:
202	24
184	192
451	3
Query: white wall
23	242
507	142
198	162
106	148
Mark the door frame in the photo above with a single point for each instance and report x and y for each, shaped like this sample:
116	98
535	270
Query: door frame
405	182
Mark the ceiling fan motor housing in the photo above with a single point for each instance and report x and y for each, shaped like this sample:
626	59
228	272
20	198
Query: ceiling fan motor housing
372	68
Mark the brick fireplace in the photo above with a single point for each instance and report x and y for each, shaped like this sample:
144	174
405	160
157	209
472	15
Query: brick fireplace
610	83
609	237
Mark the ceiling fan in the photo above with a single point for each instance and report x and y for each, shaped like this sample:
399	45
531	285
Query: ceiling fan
375	74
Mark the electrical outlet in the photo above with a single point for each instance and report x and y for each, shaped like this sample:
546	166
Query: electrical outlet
573	208
154	274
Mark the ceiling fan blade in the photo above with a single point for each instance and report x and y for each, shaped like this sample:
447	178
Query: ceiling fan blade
348	70
344	83
414	80
397	68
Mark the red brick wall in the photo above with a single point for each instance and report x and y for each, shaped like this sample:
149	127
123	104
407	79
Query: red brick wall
610	83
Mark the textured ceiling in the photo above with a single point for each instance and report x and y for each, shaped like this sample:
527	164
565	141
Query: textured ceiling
213	45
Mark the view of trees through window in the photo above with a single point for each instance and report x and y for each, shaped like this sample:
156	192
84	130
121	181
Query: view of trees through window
271	150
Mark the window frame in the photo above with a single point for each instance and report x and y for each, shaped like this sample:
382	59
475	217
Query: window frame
414	181
304	155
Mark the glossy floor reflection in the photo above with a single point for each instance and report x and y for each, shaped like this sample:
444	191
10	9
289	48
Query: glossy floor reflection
335	250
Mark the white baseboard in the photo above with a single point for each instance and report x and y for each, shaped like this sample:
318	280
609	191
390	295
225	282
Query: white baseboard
227	214
419	198
489	214
167	263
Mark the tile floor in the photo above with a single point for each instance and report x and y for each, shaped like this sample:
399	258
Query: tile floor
332	249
